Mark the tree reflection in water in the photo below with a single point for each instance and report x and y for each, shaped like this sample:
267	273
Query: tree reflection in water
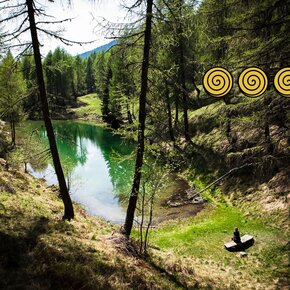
97	165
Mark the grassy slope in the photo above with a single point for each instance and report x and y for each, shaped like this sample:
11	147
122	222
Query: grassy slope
190	249
194	248
89	107
40	251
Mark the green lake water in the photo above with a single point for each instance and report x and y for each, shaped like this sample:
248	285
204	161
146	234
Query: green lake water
96	163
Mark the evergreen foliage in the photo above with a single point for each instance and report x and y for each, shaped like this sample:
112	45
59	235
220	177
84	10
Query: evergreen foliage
12	93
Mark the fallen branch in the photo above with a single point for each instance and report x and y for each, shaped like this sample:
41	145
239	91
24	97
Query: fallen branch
225	175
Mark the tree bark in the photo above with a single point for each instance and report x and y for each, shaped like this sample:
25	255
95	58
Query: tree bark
12	127
141	127
176	106
68	207
182	83
170	127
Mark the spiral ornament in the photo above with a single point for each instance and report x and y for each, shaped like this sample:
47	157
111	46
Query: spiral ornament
282	82
253	82
217	82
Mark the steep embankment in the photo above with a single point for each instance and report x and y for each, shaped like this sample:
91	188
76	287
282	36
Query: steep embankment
40	251
251	137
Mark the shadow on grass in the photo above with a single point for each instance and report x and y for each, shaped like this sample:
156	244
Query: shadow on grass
14	253
50	255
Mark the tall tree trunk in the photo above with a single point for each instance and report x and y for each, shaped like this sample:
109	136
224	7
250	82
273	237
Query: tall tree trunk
68	207
12	128
182	84
268	142
13	132
141	127
170	128
129	115
176	100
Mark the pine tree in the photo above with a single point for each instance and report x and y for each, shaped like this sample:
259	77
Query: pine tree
90	79
12	92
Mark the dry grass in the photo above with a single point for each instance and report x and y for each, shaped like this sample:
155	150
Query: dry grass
40	251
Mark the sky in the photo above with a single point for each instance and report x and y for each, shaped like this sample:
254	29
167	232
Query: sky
83	26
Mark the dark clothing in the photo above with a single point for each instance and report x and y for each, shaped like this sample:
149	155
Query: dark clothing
236	238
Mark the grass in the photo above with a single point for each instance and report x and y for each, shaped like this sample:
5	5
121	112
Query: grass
40	251
89	107
198	243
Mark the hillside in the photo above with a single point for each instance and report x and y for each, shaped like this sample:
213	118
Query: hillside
174	140
40	251
104	47
47	253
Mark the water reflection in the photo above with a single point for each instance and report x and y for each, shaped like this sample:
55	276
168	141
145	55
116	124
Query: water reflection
91	160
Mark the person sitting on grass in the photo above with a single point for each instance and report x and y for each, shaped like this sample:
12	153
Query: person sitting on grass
236	238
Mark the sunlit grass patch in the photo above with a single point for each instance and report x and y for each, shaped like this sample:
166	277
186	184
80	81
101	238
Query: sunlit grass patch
199	240
90	107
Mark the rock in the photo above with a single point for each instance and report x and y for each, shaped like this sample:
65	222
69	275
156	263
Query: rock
198	200
191	193
174	203
242	254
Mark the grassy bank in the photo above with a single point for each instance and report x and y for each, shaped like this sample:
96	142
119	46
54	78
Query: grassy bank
88	108
40	251
194	248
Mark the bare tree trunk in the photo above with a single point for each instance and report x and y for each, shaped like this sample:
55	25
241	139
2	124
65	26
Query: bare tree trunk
149	223
171	132
142	220
176	106
12	128
268	142
182	72
141	127
68	207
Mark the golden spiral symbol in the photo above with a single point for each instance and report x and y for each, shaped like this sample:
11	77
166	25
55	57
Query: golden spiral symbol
282	82
217	82
253	82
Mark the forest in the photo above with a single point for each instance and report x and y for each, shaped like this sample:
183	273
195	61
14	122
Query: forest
130	166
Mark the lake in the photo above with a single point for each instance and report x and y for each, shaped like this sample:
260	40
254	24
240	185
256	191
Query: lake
98	165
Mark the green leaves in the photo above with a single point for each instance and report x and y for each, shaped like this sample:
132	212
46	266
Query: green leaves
12	88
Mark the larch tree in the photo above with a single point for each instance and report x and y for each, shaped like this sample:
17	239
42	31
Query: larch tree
25	13
12	91
141	123
68	207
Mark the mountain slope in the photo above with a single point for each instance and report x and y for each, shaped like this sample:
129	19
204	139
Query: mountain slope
104	47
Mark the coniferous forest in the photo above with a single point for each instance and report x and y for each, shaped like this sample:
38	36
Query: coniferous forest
157	161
